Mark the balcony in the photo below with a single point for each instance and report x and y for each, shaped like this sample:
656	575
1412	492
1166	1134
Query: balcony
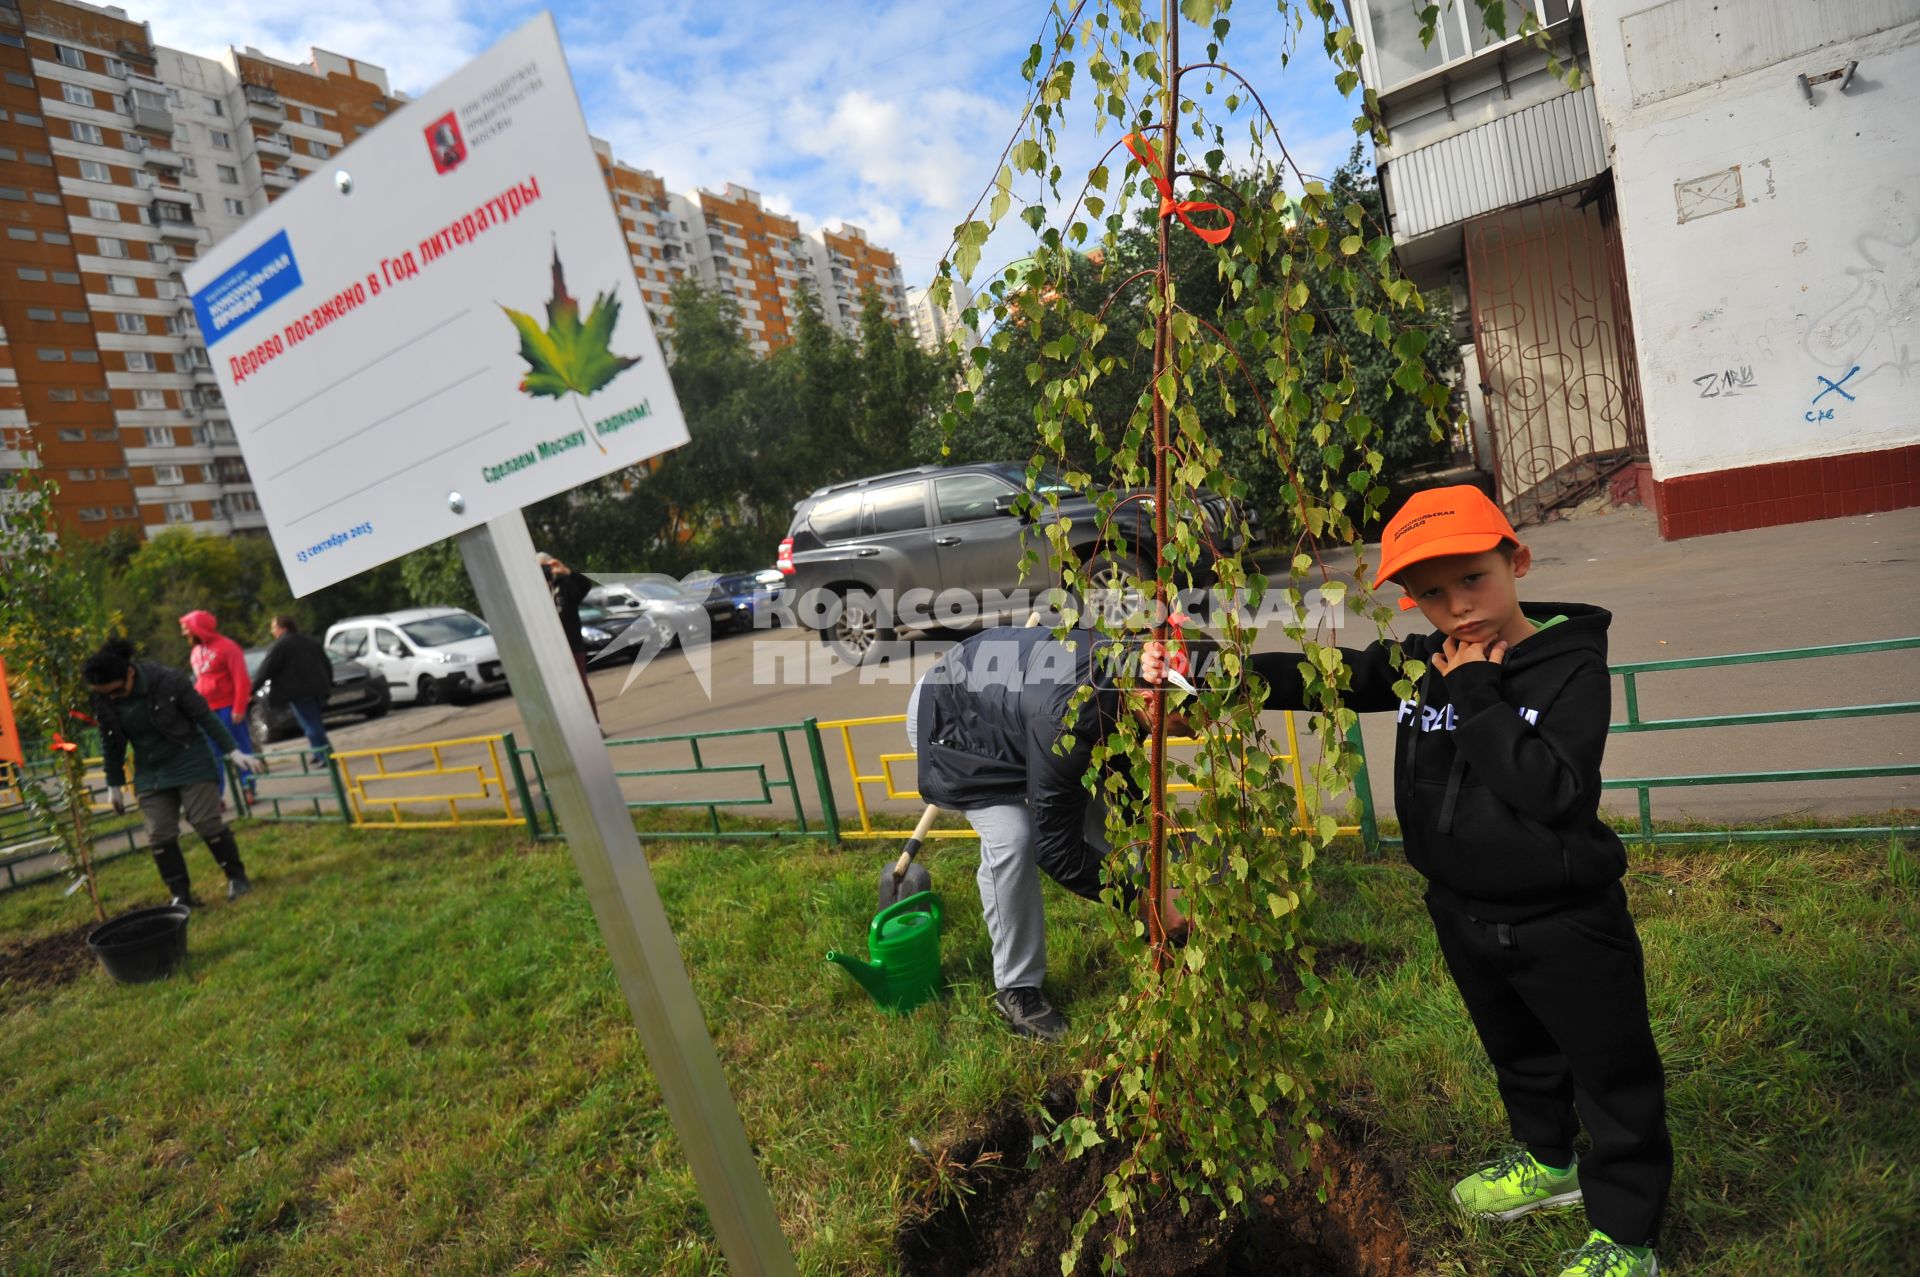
163	159
203	375
149	109
263	104
175	221
279	177
273	144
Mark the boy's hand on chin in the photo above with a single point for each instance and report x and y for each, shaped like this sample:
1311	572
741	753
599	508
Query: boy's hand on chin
1453	652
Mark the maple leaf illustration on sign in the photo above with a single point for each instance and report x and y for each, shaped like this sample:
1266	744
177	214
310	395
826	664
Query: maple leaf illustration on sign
569	356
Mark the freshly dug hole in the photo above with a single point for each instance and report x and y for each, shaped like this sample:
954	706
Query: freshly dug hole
1015	1222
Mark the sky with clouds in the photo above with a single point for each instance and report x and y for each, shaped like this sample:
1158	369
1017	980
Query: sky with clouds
890	116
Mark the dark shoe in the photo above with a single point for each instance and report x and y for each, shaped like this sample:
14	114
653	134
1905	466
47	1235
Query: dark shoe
182	895
1028	1013
238	887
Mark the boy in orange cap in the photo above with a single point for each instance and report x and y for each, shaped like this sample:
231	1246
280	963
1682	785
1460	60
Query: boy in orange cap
1497	785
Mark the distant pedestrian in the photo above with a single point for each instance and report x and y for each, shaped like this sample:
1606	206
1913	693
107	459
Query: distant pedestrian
220	676
298	674
155	710
568	589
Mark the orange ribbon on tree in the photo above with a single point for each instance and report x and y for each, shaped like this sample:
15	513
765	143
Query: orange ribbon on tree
1179	208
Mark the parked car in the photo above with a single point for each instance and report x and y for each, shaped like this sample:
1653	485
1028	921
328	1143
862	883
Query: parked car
748	597
866	542
426	654
666	604
355	691
602	632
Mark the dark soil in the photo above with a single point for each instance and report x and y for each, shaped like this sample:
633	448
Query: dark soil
46	962
1015	1222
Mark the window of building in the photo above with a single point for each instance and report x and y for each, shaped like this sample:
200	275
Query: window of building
171	476
104	210
125	512
140	361
236	207
165	289
110	247
83	476
97	394
12	41
150	399
143	179
121	286
114	472
227	173
84	356
95	171
160	252
310	117
188	168
77	95
76	316
20	79
179	512
171	211
216	107
66	277
20	232
48	355
319	150
1460	32
135	324
49	198
92	514
15	193
70	57
118	69
159	436
106	434
30	274
56	237
44	314
40	158
177	325
221	139
73	436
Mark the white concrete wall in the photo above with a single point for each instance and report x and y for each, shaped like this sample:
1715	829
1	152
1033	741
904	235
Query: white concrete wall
1750	287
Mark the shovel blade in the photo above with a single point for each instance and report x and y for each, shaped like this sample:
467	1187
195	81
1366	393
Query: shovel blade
912	883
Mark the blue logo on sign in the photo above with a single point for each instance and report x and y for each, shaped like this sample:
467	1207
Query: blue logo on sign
249	286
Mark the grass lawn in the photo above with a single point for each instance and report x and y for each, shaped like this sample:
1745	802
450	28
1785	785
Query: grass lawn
407	1053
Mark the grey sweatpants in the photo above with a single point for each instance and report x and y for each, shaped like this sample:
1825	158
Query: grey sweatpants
1009	879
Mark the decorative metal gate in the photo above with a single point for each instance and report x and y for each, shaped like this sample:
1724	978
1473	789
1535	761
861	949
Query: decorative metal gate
1546	288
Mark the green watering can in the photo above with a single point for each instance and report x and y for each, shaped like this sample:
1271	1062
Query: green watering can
904	942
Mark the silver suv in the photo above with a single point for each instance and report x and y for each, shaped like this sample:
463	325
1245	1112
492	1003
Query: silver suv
910	548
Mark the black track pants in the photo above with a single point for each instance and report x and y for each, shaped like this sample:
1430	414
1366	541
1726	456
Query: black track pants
1560	1003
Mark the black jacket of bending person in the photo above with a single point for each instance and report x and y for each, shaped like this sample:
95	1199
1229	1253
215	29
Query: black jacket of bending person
1496	775
990	717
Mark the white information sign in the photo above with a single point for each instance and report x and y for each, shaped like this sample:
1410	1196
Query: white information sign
438	326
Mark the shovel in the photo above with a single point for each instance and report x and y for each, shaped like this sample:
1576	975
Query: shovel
903	877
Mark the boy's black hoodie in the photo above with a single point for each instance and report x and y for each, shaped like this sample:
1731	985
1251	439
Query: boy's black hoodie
1497	767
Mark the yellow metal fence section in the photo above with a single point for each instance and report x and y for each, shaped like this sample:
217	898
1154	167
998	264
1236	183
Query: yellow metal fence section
413	785
883	776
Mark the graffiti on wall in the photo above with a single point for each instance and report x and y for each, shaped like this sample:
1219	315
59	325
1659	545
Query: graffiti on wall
1725	383
1870	330
1828	386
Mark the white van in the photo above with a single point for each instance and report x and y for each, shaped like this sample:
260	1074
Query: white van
425	654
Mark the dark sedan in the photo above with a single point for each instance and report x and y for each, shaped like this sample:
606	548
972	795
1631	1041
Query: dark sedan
750	600
355	691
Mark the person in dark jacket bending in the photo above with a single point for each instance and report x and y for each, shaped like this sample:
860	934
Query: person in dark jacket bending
155	709
1497	786
298	673
568	589
984	724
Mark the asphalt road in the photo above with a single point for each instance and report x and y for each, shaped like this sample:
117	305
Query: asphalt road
1837	581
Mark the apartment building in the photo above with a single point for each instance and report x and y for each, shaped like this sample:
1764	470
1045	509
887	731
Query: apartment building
122	161
934	327
845	267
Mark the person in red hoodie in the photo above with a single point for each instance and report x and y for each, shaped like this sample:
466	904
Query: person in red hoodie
220	676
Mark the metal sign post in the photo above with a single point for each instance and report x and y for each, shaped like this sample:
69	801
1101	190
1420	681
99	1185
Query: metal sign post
606	850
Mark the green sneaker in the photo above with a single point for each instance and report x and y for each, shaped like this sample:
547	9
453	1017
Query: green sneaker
1514	1185
1604	1257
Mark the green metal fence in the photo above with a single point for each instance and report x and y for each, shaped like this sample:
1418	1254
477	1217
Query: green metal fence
301	787
1645	785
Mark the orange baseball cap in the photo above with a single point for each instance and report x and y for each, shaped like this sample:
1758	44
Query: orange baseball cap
1437	522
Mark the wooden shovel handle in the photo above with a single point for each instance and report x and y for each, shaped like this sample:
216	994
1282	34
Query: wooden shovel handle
913	843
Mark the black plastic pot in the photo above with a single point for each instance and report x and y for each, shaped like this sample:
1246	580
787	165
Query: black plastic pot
144	945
